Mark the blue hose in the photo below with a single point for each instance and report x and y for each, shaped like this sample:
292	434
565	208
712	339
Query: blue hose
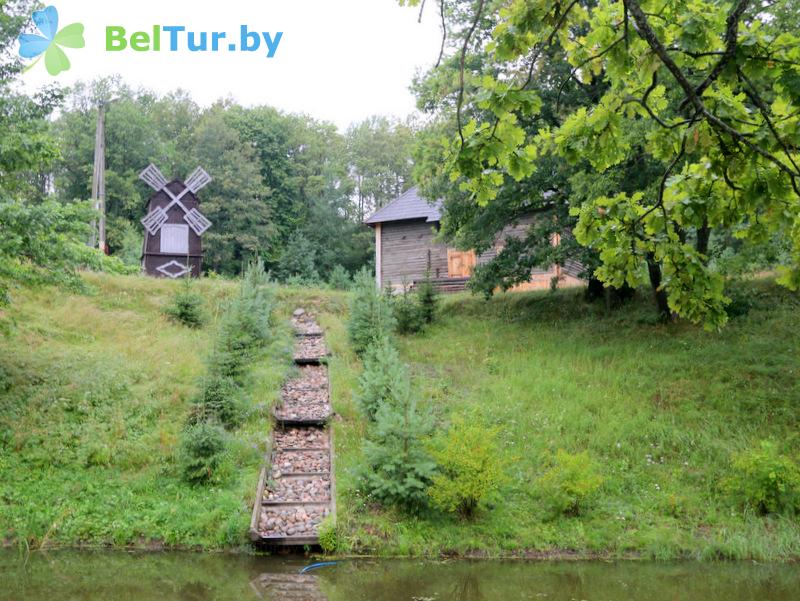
320	564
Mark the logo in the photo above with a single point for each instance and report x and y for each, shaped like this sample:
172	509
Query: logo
50	43
179	37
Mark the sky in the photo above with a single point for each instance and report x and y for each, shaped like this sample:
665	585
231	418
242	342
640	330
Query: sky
337	60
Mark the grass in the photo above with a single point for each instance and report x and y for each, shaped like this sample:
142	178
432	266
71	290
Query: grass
661	409
94	391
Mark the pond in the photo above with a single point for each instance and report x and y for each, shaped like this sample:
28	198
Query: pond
68	576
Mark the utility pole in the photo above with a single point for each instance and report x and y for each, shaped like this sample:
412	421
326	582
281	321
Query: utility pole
99	179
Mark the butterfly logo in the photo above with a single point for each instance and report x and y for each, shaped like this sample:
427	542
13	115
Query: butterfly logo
50	42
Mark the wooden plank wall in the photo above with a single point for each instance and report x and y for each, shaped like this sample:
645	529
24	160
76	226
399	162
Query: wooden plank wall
406	248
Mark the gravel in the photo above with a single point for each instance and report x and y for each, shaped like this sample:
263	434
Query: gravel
304	405
308	376
300	462
292	520
301	438
310	348
304	324
297	495
299	489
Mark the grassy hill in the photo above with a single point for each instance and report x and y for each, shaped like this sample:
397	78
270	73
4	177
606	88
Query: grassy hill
661	409
94	390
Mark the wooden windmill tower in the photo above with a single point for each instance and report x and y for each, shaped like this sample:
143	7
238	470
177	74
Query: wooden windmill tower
174	225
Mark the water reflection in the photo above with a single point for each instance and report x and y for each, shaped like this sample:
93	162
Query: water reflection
288	587
75	576
467	588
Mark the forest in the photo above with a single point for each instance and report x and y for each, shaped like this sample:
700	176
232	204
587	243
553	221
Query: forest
286	187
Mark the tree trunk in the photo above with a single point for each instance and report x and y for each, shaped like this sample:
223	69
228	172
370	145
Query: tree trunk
594	290
662	306
703	234
616	297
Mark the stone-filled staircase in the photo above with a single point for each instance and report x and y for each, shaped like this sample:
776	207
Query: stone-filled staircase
296	489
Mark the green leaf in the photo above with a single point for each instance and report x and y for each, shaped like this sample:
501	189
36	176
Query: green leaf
71	36
55	60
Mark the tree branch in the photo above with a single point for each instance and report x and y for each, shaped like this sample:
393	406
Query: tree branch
464	48
647	33
731	39
444	33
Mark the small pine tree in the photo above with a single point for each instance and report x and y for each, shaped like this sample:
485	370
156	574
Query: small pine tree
382	377
245	325
398	469
371	315
219	399
408	313
428	299
202	452
186	307
339	278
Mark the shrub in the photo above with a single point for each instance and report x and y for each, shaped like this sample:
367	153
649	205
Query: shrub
257	300
339	278
186	307
408	313
765	480
245	326
470	468
383	376
398	469
328	535
370	314
219	399
569	483
428	299
202	452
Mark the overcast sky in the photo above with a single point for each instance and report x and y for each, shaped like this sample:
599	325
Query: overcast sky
338	60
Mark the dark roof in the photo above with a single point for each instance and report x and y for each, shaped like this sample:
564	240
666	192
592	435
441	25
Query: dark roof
409	205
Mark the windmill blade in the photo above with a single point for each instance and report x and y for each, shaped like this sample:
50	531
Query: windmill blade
153	221
153	177
197	221
197	180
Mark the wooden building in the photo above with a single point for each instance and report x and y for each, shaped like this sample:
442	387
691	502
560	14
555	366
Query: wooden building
174	225
406	248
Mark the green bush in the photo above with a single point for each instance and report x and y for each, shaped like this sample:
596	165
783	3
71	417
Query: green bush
570	482
256	302
202	453
186	307
370	314
219	399
765	480
339	278
428	299
470	468
245	327
408	313
398	469
328	535
382	377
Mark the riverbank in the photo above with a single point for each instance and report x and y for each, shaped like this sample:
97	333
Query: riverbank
662	410
95	389
94	392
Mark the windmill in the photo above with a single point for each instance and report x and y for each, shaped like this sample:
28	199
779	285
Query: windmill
174	224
